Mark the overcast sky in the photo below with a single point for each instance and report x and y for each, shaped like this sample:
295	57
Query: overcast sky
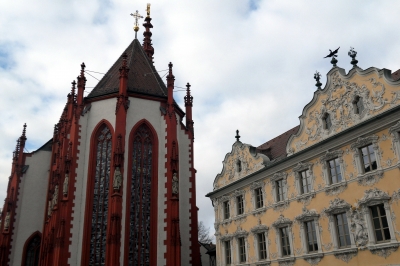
250	63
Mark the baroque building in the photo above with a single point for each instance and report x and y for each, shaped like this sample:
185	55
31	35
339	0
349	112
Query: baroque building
116	183
327	191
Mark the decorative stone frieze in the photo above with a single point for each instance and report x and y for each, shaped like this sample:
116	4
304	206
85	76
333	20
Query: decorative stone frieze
281	222
336	189
307	215
373	196
314	258
370	179
384	250
260	228
337	206
287	261
240	232
345	254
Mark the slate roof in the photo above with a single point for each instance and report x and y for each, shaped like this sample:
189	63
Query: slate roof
276	147
142	76
396	75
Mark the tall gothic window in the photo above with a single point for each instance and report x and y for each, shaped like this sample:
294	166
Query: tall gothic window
100	198
32	252
140	202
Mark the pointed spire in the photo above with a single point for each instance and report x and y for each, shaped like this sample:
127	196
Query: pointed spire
22	139
170	84
188	97
81	86
73	83
147	45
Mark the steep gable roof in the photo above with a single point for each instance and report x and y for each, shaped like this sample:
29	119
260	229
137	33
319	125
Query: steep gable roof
142	77
276	147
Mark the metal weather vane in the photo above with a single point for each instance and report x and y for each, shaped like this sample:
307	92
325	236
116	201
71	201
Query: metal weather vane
136	16
333	54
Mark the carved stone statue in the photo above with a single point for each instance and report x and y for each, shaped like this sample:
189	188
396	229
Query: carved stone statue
175	184
117	179
7	221
65	185
55	196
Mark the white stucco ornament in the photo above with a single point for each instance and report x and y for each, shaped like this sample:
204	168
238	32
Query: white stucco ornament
7	221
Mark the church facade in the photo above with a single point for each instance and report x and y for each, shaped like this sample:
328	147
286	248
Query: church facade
116	183
325	192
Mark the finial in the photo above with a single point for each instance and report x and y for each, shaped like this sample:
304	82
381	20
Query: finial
237	135
24	131
352	53
170	77
83	69
73	88
188	97
81	78
333	54
148	10
136	16
317	76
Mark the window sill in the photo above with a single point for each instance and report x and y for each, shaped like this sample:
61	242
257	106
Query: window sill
238	217
370	178
306	197
336	188
263	263
280	205
288	260
345	254
313	258
259	210
384	249
226	221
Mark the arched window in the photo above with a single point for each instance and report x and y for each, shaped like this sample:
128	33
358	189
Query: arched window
140	200
32	251
358	105
100	197
327	121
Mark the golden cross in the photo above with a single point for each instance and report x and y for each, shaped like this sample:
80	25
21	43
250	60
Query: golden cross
137	16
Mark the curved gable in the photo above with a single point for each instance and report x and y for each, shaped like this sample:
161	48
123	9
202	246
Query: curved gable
250	162
376	89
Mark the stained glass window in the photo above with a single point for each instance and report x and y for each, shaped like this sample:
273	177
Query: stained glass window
140	202
100	198
32	252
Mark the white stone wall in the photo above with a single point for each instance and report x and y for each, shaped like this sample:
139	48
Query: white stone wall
100	110
184	194
150	110
31	202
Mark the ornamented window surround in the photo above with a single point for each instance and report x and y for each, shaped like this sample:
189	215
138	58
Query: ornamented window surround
280	223
372	177
253	187
309	215
357	98
273	179
324	122
234	196
260	229
223	239
297	170
337	206
221	201
336	188
373	197
236	235
394	131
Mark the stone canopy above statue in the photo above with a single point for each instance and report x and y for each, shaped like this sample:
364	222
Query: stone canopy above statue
347	100
240	162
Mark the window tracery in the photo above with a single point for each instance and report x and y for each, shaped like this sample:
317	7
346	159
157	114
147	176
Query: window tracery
32	252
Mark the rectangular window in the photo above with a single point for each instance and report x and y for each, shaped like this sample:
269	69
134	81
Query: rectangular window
259	198
284	235
228	257
240	205
262	246
280	190
380	223
242	249
368	158
342	230
311	236
305	180
335	175
226	210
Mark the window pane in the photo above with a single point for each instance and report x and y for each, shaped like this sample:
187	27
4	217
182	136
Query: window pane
374	211
342	243
386	233
377	224
384	222
348	243
378	234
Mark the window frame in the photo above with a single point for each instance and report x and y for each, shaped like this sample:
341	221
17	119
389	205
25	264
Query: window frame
259	199
301	168
337	164
302	219
256	231
327	121
262	246
380	223
241	241
254	186
360	143
227	247
337	231
239	205
394	131
226	210
281	176
356	108
283	222
369	158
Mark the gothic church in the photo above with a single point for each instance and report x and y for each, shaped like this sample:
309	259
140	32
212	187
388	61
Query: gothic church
116	183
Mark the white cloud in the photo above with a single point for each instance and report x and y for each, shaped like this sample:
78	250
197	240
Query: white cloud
250	70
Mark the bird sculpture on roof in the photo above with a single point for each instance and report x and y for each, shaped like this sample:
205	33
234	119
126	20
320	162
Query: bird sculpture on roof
334	53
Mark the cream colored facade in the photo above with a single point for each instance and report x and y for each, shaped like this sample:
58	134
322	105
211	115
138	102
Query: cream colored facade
361	190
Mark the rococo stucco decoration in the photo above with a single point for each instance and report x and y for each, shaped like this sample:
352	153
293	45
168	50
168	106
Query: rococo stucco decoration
338	100
241	161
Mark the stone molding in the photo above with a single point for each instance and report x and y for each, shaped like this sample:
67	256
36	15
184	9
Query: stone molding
240	233
313	258
260	228
282	222
330	155
336	188
373	196
287	261
360	142
307	215
370	179
337	206
345	254
384	250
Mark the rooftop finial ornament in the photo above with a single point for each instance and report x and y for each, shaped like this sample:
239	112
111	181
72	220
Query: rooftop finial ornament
352	53
136	16
333	55
317	76
237	135
148	10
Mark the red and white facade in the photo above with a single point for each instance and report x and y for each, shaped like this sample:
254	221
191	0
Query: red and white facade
116	184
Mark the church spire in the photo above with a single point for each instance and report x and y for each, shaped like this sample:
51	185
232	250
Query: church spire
147	45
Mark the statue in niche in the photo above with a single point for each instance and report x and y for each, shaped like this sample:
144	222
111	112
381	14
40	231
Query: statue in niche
175	184
55	196
65	185
117	179
7	221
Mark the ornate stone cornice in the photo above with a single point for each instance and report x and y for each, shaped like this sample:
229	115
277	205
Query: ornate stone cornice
346	254
307	215
288	261
281	222
223	199
330	155
313	258
394	129
370	178
337	205
278	176
238	193
260	228
335	189
302	166
384	250
364	141
226	237
373	196
256	184
240	232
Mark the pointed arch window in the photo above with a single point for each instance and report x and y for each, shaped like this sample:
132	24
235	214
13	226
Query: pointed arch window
32	252
140	200
100	197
